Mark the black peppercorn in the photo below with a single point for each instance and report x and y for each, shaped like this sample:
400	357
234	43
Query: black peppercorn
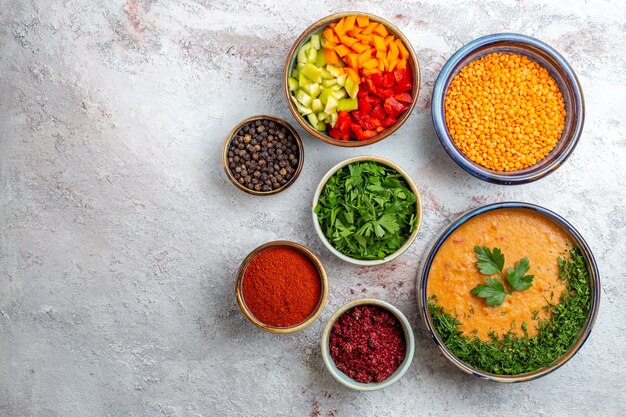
263	155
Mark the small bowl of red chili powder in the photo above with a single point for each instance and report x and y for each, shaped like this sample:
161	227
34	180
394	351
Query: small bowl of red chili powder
281	287
368	344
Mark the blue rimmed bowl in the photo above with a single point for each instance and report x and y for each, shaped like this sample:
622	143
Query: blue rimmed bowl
545	56
594	283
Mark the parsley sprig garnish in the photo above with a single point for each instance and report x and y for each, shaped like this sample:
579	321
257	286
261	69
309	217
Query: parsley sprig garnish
496	290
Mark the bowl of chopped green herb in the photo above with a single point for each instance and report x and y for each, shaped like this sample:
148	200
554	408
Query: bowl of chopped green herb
367	210
509	292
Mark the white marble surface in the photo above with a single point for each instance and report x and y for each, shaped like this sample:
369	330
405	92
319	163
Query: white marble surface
120	234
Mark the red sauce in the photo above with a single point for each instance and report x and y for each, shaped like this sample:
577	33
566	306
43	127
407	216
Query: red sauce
367	343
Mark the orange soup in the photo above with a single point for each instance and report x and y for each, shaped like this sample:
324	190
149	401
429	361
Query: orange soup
518	233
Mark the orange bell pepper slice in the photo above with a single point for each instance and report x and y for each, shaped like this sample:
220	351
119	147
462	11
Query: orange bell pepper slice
381	30
362	21
348	24
370	28
329	35
331	56
379	44
342	50
359	47
404	53
352	60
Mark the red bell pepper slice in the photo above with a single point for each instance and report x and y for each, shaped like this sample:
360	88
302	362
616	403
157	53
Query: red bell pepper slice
364	106
364	90
393	107
377	79
335	133
401	75
384	93
402	87
370	123
405	97
357	115
374	100
343	124
389	121
358	130
388	80
378	112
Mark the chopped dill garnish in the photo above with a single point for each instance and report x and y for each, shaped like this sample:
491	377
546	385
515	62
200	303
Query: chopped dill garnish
512	354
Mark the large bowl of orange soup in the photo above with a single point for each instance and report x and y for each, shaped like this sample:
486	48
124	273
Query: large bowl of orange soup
509	292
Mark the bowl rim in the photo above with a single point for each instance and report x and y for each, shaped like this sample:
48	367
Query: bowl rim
413	61
594	282
372	386
232	134
410	183
323	281
438	113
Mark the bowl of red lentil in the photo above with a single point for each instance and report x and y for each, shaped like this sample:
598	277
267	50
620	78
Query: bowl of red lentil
281	287
368	345
508	108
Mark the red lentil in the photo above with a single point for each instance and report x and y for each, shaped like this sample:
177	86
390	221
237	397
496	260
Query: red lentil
505	112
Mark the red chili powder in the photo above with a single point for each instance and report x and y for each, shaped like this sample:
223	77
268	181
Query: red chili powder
281	286
367	343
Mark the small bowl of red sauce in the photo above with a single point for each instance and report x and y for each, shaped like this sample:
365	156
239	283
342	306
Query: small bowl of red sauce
368	345
281	287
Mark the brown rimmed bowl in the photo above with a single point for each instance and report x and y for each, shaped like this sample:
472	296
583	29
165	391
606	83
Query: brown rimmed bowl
234	132
291	61
323	281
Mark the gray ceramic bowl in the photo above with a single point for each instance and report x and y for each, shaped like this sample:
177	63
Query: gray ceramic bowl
558	68
374	386
594	282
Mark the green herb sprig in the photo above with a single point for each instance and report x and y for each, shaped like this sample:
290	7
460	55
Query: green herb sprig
491	263
514	355
366	210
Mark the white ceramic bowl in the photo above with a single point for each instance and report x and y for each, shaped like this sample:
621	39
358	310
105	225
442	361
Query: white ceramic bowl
410	184
373	386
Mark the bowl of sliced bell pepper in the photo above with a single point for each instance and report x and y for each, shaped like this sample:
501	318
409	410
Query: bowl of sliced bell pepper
351	79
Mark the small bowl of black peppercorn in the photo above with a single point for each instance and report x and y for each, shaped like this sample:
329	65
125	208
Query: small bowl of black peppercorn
263	155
